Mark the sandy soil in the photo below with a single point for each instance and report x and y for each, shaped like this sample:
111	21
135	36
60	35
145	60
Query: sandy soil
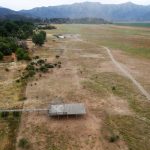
138	67
83	133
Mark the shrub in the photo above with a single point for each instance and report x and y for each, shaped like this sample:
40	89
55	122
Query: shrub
36	57
31	73
1	55
30	67
16	114
37	69
59	62
32	63
17	81
113	88
57	56
24	98
22	54
49	65
43	33
43	69
6	69
4	114
113	138
5	48
40	61
23	143
39	38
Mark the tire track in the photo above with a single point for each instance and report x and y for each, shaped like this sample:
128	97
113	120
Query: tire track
125	72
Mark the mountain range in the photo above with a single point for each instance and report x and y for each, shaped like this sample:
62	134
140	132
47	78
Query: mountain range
125	12
6	13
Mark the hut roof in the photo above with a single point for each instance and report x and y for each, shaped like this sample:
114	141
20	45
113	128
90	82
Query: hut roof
67	109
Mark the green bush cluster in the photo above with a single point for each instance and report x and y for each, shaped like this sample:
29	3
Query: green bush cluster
7	45
38	65
39	38
17	29
22	54
23	143
5	114
11	32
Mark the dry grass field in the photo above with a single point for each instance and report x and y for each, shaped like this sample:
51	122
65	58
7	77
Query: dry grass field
118	115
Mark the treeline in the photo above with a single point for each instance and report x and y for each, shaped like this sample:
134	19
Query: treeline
18	29
45	26
76	21
13	35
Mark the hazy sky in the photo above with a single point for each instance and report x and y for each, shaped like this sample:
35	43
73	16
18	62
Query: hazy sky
28	4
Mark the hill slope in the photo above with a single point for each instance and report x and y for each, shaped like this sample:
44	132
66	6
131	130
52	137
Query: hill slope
6	13
111	12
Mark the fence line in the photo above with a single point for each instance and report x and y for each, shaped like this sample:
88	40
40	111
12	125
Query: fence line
22	110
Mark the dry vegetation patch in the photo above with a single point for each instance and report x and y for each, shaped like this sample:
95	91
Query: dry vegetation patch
131	129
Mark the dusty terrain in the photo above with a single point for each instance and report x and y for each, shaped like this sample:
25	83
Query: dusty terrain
115	106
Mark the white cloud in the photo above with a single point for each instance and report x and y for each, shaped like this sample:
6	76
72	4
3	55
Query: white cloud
28	4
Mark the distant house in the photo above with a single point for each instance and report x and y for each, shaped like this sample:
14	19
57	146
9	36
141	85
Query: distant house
67	109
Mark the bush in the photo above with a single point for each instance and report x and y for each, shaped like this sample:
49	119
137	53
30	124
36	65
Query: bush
5	48
49	65
31	73
43	69
36	57
113	88
113	138
16	114
40	61
57	56
39	38
1	55
30	67
59	62
4	114
17	81
22	54
23	143
6	69
44	34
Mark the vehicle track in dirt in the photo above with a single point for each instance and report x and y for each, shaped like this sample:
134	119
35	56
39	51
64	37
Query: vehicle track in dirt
126	73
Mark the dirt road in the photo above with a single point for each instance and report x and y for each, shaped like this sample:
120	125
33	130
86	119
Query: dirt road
125	72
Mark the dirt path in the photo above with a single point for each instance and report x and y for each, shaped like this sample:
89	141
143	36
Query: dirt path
73	69
118	65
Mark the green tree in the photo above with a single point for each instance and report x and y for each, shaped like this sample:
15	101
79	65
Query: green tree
39	38
44	34
22	54
5	49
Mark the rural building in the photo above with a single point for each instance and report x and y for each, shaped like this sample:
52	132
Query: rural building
67	109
